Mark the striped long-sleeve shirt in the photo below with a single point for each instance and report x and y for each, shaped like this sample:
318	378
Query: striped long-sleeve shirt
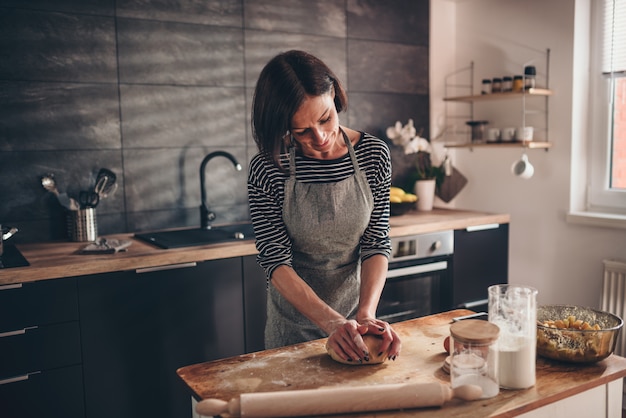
266	196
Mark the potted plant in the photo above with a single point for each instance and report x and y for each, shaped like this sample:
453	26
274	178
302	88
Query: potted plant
427	177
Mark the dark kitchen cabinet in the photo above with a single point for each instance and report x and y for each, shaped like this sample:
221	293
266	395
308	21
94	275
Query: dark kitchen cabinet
40	350
139	327
255	299
481	259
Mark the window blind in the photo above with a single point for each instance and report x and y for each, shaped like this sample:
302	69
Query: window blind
614	37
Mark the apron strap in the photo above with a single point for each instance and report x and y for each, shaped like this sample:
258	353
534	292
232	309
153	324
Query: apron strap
292	160
355	162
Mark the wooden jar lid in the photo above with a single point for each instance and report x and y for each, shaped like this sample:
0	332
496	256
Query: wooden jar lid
476	331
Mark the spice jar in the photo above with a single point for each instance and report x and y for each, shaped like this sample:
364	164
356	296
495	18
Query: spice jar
496	85
474	355
507	83
486	86
530	72
518	83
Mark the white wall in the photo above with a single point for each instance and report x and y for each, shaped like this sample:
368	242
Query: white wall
563	261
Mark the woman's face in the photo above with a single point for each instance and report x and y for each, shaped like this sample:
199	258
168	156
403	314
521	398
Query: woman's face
315	126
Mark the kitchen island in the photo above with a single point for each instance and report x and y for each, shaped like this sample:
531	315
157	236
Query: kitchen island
561	390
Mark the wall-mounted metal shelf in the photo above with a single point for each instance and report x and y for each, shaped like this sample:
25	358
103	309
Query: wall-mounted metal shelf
499	96
513	144
522	96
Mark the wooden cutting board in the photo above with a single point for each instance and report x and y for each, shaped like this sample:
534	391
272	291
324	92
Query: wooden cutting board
307	366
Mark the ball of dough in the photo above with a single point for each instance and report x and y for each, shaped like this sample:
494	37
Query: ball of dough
373	343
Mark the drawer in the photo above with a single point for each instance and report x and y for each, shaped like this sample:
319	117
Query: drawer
41	348
38	303
54	393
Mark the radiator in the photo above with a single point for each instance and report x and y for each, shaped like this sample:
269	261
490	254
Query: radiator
614	297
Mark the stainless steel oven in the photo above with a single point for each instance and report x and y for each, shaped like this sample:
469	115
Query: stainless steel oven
419	278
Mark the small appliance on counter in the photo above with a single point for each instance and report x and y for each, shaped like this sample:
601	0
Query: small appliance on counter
10	256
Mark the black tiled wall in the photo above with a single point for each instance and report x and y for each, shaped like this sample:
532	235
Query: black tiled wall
147	88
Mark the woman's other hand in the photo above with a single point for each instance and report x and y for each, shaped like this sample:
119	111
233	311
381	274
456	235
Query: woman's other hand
391	340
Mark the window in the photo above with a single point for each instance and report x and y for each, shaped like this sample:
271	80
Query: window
607	182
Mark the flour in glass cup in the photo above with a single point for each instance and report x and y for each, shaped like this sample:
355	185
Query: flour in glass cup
516	362
513	309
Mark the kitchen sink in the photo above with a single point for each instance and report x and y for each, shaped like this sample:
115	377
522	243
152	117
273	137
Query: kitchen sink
179	238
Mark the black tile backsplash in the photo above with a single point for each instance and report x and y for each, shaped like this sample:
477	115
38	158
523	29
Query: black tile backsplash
314	17
147	88
262	46
96	7
204	12
387	67
50	46
40	116
400	21
179	53
169	178
155	116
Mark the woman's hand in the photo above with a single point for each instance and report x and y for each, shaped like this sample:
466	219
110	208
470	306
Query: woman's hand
346	339
391	340
347	342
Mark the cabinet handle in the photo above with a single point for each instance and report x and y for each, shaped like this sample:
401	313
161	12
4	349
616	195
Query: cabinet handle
482	227
169	267
11	286
16	332
17	378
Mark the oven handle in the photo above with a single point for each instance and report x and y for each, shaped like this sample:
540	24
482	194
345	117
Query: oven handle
473	304
424	268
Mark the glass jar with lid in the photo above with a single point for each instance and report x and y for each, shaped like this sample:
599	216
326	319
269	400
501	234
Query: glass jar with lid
474	355
486	86
496	85
518	83
530	72
507	83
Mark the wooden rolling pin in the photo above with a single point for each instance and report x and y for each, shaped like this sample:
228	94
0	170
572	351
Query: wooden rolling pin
338	400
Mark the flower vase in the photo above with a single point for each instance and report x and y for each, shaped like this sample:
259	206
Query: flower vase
425	191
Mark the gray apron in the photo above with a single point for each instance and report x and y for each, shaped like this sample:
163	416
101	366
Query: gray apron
325	222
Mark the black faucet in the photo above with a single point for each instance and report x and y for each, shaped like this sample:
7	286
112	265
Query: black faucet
206	216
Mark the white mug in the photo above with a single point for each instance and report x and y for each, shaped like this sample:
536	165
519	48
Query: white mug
507	134
524	133
523	168
493	134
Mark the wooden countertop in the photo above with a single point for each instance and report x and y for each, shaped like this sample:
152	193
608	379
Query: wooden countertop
441	220
54	260
307	366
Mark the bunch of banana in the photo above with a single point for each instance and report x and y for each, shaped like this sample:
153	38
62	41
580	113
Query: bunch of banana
397	195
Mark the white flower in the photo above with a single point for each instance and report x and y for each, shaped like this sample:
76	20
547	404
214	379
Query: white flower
412	146
393	132
401	135
406	137
417	144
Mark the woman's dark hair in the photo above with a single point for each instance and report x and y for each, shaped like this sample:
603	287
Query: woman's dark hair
283	85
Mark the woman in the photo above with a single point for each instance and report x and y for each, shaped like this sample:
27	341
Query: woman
319	203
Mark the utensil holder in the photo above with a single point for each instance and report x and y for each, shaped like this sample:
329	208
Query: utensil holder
82	225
